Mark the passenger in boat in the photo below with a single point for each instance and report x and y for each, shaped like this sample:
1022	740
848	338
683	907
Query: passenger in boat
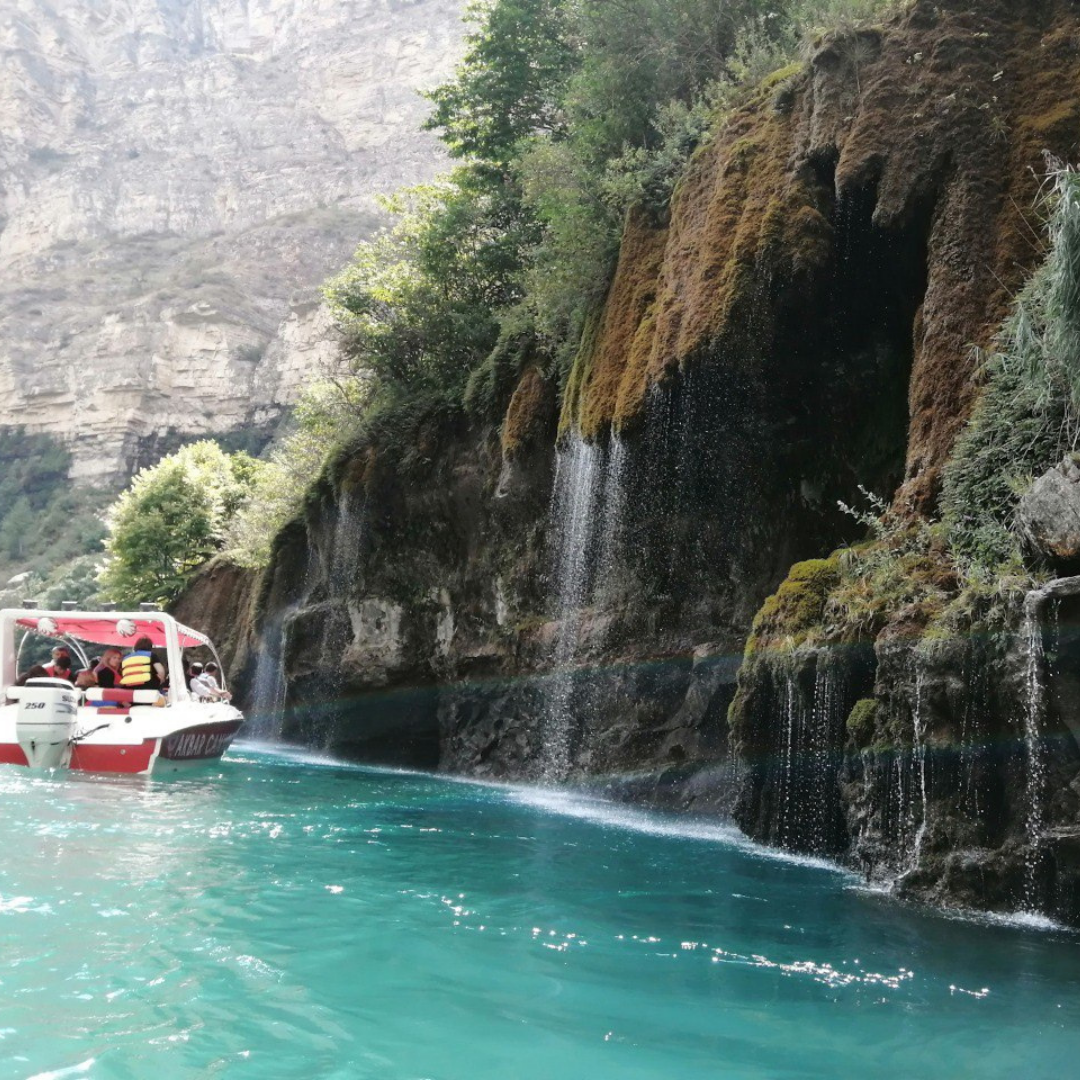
196	684
205	685
36	672
85	679
60	668
108	669
142	667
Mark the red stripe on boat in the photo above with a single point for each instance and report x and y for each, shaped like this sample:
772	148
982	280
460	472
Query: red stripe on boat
134	758
11	754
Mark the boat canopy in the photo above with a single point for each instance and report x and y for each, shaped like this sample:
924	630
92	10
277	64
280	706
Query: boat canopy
110	629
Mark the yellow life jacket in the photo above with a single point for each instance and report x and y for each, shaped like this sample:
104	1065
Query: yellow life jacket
136	669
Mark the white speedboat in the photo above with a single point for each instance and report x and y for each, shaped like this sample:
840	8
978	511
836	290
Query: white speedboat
48	723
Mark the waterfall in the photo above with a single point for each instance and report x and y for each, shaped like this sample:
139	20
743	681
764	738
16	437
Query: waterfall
612	509
918	723
790	725
898	766
573	518
1033	745
340	561
807	791
268	688
829	716
344	555
972	749
586	513
906	785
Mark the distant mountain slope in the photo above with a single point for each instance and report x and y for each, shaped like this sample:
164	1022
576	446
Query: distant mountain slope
176	178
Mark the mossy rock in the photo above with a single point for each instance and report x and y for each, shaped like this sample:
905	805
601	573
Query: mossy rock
782	75
526	420
862	721
797	607
736	714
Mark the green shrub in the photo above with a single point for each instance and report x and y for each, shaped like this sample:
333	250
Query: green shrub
419	301
817	18
172	519
1028	415
328	414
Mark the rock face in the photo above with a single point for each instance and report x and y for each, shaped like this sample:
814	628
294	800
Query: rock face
179	176
950	771
1049	515
525	605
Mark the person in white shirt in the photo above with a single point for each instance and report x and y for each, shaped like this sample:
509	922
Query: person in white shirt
204	684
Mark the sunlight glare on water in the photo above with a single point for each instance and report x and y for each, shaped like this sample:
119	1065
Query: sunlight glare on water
286	917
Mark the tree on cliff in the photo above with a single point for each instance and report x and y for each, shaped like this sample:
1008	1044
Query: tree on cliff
563	114
509	84
171	520
419	302
325	411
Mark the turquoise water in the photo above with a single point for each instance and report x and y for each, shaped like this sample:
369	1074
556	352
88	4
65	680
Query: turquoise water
281	918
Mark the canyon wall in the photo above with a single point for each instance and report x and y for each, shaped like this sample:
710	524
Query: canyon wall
177	178
571	598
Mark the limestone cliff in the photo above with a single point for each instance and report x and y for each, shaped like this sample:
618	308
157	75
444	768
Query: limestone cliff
178	177
520	604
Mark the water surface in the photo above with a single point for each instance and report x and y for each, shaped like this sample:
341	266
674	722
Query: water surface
280	917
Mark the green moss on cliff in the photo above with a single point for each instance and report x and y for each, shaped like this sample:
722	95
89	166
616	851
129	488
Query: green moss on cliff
862	722
795	610
782	75
932	581
528	414
904	579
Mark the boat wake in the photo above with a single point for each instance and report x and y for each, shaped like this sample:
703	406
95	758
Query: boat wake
615	815
1017	920
251	752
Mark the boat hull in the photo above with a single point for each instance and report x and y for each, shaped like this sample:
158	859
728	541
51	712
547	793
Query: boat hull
178	743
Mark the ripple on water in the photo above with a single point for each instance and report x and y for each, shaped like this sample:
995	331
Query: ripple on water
285	917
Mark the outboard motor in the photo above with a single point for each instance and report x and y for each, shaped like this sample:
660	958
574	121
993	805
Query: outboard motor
46	720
